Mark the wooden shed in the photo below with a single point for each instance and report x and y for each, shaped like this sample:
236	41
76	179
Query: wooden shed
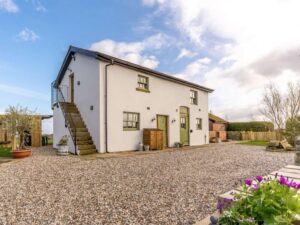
34	138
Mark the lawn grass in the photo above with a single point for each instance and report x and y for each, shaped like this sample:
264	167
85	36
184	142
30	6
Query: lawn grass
257	143
5	152
50	140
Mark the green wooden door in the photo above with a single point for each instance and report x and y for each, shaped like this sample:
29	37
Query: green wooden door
184	126
162	124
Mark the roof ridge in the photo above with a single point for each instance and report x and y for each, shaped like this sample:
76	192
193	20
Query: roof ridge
104	56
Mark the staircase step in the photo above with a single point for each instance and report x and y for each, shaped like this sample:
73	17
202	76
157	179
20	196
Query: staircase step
72	111
83	147
79	129
84	138
81	134
79	124
75	121
72	114
87	151
86	142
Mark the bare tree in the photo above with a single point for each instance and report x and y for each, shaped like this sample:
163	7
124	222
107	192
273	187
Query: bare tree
279	107
273	106
292	106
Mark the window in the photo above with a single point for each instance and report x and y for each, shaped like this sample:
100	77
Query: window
183	122
143	83
131	121
193	97
198	124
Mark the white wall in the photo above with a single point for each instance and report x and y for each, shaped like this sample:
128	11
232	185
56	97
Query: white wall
165	98
59	129
86	71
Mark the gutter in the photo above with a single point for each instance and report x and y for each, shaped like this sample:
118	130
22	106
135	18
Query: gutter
105	102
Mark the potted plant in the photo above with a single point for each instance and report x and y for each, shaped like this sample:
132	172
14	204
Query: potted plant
18	121
63	148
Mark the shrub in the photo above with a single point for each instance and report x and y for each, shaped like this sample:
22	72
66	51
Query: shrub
268	201
251	126
292	130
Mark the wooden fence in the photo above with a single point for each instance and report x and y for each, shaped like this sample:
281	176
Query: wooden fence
250	135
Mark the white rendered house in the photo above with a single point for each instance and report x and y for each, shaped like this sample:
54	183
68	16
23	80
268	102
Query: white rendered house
103	103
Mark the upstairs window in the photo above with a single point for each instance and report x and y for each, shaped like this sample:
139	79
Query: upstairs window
198	123
143	83
131	121
193	97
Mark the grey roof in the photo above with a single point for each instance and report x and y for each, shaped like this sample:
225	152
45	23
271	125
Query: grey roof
107	58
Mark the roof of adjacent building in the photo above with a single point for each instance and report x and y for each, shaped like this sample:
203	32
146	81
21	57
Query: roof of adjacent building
107	58
216	119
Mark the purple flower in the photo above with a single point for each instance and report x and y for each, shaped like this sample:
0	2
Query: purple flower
293	184
248	182
282	180
259	178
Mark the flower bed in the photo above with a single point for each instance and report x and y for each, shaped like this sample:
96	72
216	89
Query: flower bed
262	201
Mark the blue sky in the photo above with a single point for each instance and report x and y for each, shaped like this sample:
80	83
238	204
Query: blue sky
213	43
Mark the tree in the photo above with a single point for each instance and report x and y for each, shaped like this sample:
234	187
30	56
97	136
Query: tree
283	108
18	121
273	106
292	130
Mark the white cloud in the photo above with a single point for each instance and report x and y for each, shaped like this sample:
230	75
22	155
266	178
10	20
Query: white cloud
134	51
254	42
27	35
185	53
9	6
38	5
23	92
194	69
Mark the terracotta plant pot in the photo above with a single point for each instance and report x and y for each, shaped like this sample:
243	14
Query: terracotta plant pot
22	153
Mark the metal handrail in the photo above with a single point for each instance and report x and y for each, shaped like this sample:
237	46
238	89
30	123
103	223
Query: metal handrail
71	119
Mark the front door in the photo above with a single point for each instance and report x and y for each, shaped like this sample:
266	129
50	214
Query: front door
184	125
71	86
162	124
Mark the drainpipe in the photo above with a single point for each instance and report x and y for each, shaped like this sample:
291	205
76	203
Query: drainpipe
105	100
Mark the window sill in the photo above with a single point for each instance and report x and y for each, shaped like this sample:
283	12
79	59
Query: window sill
142	90
130	129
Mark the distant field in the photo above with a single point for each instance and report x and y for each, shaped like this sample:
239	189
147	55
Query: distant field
257	143
5	152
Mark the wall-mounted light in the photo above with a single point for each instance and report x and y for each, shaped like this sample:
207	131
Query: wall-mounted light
173	120
78	82
153	119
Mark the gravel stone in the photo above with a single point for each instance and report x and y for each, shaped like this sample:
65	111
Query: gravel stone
174	187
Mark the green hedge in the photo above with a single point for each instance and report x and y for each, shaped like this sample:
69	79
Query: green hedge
251	126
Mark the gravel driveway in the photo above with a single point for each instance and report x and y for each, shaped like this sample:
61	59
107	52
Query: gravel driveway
178	187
